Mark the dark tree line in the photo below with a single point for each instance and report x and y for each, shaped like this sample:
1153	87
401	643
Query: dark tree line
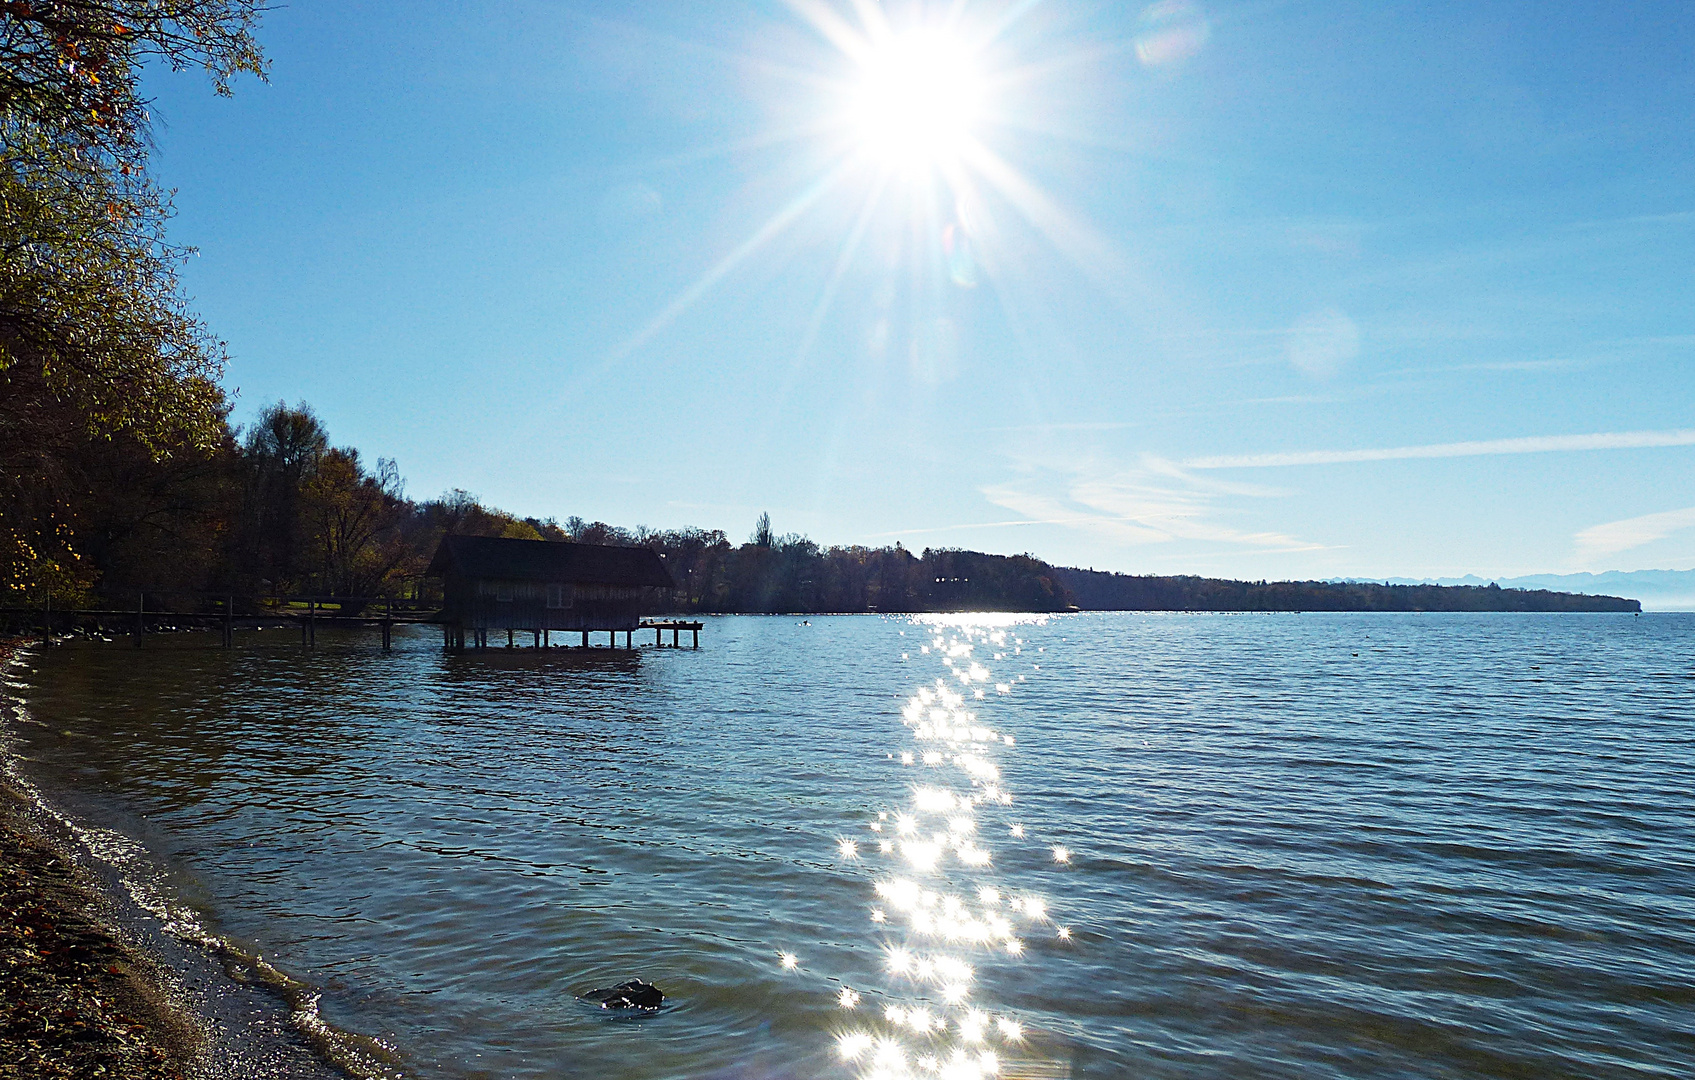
278	509
1101	591
791	573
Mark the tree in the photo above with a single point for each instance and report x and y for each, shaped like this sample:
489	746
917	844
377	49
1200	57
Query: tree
89	299
282	452
96	341
353	518
762	535
286	444
70	69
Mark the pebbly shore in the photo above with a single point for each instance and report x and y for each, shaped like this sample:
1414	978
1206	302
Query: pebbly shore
92	986
75	1000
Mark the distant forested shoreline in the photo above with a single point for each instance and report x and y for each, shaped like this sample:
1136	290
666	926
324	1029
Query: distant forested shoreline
1095	590
277	509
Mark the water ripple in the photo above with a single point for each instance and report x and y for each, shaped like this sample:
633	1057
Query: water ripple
1314	846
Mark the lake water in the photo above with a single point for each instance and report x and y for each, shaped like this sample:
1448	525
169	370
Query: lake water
1155	846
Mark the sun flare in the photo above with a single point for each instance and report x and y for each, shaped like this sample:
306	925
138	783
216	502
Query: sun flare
909	121
918	97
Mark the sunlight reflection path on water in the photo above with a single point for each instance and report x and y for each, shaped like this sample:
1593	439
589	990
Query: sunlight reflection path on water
939	905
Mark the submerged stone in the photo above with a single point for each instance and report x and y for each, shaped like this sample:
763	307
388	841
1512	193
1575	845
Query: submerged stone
634	994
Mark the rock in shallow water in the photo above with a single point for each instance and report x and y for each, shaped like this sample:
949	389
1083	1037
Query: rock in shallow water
634	994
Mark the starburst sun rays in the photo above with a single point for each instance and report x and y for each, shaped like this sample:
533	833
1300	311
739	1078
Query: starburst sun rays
904	112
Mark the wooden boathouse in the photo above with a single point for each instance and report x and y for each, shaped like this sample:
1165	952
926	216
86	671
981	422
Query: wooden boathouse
539	586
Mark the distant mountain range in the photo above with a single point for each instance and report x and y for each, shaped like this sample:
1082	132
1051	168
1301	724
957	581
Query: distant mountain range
1659	590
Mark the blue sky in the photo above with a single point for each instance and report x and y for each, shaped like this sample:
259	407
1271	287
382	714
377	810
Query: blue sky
1259	289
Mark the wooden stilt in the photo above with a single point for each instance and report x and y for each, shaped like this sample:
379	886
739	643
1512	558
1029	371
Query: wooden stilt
585	639
229	622
696	633
140	617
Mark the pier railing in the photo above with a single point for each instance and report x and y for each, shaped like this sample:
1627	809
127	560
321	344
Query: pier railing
230	612
156	611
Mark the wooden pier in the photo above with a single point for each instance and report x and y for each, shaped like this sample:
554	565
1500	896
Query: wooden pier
455	638
221	614
308	614
676	627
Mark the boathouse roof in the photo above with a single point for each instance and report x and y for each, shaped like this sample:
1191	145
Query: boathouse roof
548	560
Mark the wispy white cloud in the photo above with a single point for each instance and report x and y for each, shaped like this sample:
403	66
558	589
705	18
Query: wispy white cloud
1612	537
1059	510
1073	425
1564	363
1536	444
1154	501
969	526
1676	217
1660	339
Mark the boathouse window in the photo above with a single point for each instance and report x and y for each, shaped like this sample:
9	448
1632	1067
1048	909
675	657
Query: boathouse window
503	591
556	596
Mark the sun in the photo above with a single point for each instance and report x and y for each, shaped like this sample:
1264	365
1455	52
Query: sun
907	121
917	99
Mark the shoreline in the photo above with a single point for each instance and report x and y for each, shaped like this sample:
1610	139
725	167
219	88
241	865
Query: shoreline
79	1002
95	985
